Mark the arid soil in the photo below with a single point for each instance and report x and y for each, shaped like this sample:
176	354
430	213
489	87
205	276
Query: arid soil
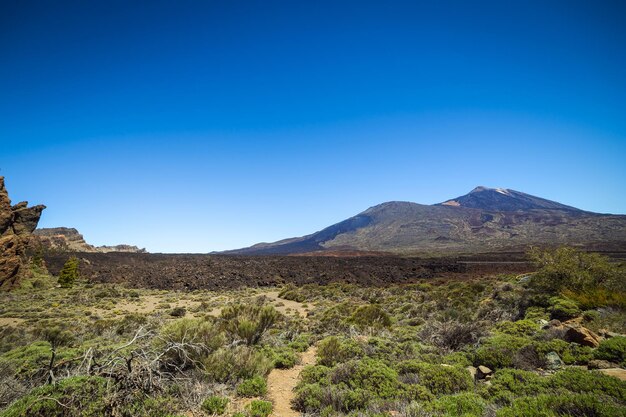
190	272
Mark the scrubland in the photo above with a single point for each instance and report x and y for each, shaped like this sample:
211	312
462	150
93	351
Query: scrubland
549	343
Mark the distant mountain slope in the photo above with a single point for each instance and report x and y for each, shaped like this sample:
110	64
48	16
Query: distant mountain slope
486	219
69	239
501	199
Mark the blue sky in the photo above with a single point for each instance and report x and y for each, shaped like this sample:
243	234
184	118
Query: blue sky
193	126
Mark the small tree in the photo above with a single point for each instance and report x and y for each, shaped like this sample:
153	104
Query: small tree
69	273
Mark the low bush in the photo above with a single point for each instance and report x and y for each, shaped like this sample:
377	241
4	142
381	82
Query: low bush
242	362
563	309
613	349
439	379
282	357
370	316
508	384
248	322
592	382
566	405
332	350
500	351
187	342
466	404
518	328
215	405
252	387
258	408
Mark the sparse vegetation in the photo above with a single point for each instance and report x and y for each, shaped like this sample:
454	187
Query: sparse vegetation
422	349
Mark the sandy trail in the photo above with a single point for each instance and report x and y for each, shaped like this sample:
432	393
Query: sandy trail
281	382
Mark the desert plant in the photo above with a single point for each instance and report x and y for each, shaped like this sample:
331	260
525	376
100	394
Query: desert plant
439	379
187	342
252	387
259	408
371	315
242	362
563	309
248	322
613	349
215	405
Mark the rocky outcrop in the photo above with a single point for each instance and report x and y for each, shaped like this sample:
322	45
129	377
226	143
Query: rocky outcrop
16	226
70	240
576	333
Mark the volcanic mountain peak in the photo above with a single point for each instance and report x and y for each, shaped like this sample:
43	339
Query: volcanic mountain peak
504	199
485	219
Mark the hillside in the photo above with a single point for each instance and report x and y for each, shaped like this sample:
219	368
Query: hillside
486	219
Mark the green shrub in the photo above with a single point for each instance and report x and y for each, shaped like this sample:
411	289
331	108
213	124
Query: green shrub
69	273
371	375
309	397
563	309
500	351
314	373
215	405
370	316
583	381
242	362
258	408
415	392
253	387
508	384
301	342
195	339
282	357
590	315
332	350
439	379
550	405
63	399
518	328
466	404
613	349
536	313
248	322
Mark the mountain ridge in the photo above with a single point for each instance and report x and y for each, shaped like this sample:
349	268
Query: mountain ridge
485	219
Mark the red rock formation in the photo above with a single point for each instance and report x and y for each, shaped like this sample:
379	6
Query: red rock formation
16	225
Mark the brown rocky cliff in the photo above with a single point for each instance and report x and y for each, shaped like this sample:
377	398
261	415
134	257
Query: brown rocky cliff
16	225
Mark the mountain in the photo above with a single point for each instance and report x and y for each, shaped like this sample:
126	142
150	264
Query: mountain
484	220
501	199
69	239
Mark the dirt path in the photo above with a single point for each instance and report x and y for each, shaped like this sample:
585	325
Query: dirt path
281	382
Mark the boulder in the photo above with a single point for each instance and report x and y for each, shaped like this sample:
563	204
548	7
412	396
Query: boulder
16	225
483	372
576	333
473	371
554	361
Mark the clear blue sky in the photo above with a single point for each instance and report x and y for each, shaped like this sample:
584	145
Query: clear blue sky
199	125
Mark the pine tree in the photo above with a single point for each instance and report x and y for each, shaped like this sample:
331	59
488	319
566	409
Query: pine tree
69	273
